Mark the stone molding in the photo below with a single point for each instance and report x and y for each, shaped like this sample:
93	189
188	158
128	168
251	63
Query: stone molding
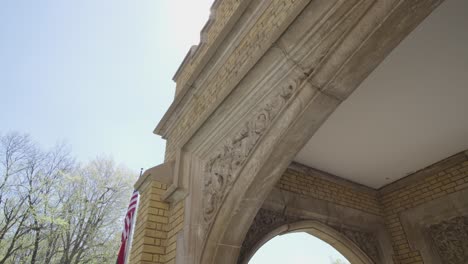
224	165
264	222
209	49
364	229
424	222
255	40
335	45
223	15
366	241
162	173
268	224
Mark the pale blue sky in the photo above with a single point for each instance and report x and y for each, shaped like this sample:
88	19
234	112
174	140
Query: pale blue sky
296	248
98	74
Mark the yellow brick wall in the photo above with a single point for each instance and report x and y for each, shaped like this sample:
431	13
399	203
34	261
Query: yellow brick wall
158	223
390	201
157	226
150	230
436	185
174	226
223	13
245	55
314	185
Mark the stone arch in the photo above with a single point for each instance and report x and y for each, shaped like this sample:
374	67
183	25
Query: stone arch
337	240
242	172
245	197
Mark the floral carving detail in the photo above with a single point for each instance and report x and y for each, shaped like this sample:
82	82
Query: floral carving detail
224	165
366	241
451	240
265	221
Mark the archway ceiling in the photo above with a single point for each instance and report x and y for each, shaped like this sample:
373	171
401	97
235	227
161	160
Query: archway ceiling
411	112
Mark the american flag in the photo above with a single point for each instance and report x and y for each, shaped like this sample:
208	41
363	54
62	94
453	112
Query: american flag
127	231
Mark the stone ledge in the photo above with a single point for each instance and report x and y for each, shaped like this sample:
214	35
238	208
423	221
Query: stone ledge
162	173
183	87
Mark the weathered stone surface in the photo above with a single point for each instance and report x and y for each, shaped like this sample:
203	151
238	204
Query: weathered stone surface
222	168
249	99
264	222
251	47
428	197
366	241
450	238
267	222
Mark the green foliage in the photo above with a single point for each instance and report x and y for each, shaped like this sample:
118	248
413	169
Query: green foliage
54	210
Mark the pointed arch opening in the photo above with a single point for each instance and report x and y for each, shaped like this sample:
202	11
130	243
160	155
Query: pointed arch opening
345	248
297	248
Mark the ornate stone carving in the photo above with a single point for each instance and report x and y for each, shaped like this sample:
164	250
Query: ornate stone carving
265	221
224	165
450	238
366	241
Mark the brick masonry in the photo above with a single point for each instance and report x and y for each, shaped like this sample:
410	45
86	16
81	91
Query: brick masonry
439	180
157	225
150	233
259	38
174	226
436	181
222	11
151	230
158	222
242	58
316	185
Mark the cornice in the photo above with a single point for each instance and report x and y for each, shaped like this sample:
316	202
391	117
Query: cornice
193	53
195	48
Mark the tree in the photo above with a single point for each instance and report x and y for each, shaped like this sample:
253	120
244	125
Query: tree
18	162
92	210
54	210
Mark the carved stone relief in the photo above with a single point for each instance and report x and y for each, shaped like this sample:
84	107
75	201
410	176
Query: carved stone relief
450	238
223	166
264	222
366	241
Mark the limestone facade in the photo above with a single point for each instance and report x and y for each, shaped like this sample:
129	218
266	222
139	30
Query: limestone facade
265	77
421	217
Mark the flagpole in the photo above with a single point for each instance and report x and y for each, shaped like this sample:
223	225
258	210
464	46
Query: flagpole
127	238
132	229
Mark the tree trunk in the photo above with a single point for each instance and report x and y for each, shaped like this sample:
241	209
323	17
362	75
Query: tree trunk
36	241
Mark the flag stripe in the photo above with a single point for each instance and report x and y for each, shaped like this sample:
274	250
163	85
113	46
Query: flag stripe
128	222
